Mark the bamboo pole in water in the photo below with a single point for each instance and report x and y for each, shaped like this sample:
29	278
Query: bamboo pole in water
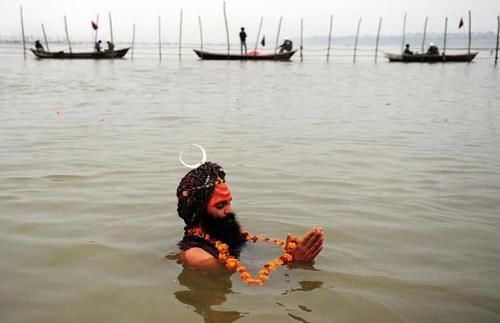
278	35
67	35
498	39
356	41
329	39
258	33
159	37
227	28
22	32
378	38
133	41
404	33
45	38
111	28
180	35
95	37
301	38
201	33
470	36
425	33
444	38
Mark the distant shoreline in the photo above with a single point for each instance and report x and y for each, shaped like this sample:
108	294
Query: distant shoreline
412	38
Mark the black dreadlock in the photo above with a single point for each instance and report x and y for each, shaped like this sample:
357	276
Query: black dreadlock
195	190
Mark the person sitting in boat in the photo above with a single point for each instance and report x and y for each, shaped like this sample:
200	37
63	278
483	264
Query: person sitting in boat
286	46
407	50
98	45
38	46
111	46
433	50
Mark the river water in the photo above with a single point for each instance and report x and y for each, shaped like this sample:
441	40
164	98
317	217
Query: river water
398	163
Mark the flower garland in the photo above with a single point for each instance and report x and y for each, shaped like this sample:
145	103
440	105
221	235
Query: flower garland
233	264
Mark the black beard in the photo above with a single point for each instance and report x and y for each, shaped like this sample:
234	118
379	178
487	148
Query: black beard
226	229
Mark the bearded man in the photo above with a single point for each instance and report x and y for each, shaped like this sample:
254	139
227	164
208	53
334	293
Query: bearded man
204	203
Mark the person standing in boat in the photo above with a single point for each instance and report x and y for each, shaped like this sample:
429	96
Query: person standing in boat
433	50
407	50
38	46
243	41
98	46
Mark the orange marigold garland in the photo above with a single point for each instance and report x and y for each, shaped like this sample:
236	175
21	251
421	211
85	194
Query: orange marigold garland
233	264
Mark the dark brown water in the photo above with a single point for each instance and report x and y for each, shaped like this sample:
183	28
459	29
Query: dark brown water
400	165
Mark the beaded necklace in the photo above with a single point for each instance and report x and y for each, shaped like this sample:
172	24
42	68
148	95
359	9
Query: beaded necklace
233	264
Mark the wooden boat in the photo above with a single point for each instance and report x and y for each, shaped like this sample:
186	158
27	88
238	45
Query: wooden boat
285	56
427	58
85	55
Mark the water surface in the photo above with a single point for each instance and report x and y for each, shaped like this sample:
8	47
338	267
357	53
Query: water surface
399	163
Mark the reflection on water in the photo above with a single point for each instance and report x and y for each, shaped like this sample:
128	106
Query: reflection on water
305	286
206	290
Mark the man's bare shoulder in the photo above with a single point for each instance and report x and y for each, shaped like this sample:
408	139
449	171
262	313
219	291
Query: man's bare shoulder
197	258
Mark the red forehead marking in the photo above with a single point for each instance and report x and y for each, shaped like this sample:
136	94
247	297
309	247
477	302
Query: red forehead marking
221	193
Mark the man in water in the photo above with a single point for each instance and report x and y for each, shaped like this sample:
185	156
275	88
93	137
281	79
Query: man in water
204	203
243	41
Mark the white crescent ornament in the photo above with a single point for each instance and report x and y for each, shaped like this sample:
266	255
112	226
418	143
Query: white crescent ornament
202	161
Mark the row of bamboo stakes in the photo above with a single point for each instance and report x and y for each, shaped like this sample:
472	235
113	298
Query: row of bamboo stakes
277	35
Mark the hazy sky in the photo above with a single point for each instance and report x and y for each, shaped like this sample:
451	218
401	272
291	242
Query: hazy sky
316	14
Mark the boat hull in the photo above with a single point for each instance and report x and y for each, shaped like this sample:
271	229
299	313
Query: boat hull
285	56
120	53
424	58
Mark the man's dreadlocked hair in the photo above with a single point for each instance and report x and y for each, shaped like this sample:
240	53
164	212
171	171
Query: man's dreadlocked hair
195	190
